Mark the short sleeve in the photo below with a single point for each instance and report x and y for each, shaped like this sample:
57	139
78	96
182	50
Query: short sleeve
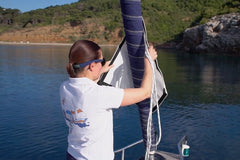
110	97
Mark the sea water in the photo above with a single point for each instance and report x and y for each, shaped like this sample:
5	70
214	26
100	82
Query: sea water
203	104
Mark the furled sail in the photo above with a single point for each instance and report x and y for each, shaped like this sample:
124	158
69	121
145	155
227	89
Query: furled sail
128	63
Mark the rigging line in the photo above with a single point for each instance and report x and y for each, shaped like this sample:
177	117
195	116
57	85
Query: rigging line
154	88
149	129
149	123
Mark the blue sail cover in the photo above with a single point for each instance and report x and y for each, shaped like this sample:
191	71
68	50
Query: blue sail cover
134	34
128	70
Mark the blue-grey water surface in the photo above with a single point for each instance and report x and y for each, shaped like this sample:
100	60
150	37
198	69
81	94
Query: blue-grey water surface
203	103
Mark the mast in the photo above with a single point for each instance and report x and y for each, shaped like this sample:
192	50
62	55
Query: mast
134	34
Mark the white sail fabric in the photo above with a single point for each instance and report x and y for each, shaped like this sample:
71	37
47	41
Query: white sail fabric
120	75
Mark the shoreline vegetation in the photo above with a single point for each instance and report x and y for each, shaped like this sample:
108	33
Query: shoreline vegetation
68	23
45	44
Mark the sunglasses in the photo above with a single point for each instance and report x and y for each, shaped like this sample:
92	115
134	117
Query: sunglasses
80	65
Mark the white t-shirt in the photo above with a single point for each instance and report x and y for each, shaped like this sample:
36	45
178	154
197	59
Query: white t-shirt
87	108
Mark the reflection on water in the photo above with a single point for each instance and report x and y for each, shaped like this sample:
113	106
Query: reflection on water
31	127
211	68
203	103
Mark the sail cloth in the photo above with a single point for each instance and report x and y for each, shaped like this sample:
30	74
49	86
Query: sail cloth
128	63
121	75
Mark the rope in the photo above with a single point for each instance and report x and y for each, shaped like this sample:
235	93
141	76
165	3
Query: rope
154	89
149	128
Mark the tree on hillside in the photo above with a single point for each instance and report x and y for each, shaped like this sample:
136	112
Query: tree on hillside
7	16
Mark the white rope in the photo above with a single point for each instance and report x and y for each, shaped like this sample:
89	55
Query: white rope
154	89
149	123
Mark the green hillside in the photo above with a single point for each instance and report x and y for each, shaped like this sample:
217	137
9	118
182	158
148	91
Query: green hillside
165	19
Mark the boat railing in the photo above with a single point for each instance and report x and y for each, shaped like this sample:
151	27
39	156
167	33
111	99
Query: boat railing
126	147
182	141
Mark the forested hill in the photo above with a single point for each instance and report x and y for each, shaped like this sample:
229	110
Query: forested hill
101	19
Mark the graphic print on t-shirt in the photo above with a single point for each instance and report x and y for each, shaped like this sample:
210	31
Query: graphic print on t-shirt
77	117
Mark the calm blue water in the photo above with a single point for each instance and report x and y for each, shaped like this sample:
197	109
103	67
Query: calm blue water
203	103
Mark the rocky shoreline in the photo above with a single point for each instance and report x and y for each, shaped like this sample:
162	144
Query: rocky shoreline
221	35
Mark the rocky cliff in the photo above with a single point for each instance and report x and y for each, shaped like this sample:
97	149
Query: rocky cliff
221	35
